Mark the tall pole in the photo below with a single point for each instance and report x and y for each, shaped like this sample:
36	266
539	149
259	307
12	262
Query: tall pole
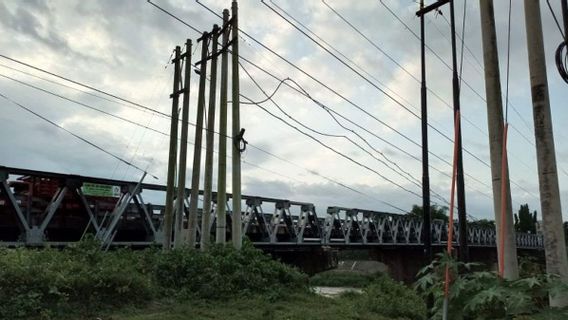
192	220
564	6
236	216
220	233
425	167
205	219
495	128
168	215
462	216
554	245
180	204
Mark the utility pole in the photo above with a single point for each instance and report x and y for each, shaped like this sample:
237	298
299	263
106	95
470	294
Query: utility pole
220	233
237	133
495	127
462	216
425	167
183	148
173	154
192	220
554	245
207	199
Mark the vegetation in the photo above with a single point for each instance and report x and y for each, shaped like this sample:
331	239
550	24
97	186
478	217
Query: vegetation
83	282
525	221
58	283
437	212
483	295
334	278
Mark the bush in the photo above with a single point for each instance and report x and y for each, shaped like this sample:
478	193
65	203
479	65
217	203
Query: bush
53	283
224	271
49	281
386	297
483	295
335	278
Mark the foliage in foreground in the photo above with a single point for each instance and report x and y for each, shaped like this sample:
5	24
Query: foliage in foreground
51	283
382	299
334	278
387	297
483	295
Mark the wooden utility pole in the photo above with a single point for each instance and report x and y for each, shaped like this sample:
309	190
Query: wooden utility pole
192	220
495	128
554	245
221	219
168	215
207	199
237	134
178	236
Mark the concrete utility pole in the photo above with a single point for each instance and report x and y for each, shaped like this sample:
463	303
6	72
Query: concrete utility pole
236	217
205	219
193	199
220	233
168	215
554	245
495	127
460	181
180	204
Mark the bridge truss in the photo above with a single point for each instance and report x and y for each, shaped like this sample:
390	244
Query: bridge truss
44	208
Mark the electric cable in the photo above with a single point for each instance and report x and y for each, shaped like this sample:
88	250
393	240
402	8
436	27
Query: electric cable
74	134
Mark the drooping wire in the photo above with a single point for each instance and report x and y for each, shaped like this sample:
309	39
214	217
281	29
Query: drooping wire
330	148
73	134
312	172
412	179
560	62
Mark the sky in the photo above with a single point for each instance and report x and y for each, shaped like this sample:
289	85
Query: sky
124	48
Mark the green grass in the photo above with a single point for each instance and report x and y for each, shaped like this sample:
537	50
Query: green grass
334	278
296	306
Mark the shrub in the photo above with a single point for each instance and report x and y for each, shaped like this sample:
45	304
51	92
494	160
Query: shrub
335	278
82	279
223	271
483	295
386	297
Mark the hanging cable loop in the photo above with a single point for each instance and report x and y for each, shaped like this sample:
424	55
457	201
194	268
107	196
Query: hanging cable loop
560	58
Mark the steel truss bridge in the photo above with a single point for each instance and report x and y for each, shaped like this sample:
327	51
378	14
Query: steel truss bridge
44	208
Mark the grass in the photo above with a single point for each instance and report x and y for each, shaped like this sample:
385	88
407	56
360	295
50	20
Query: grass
334	278
295	306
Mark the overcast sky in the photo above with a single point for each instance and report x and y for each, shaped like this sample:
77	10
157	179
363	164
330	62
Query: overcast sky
123	47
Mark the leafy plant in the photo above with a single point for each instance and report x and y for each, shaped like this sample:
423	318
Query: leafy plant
484	295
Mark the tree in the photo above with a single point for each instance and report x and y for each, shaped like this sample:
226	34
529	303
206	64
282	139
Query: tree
436	212
525	221
483	223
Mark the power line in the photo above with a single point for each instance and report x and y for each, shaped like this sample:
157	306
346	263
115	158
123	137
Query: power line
82	84
370	82
398	64
167	135
337	152
414	180
327	87
74	134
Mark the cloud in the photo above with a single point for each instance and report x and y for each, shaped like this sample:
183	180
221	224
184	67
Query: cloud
123	48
